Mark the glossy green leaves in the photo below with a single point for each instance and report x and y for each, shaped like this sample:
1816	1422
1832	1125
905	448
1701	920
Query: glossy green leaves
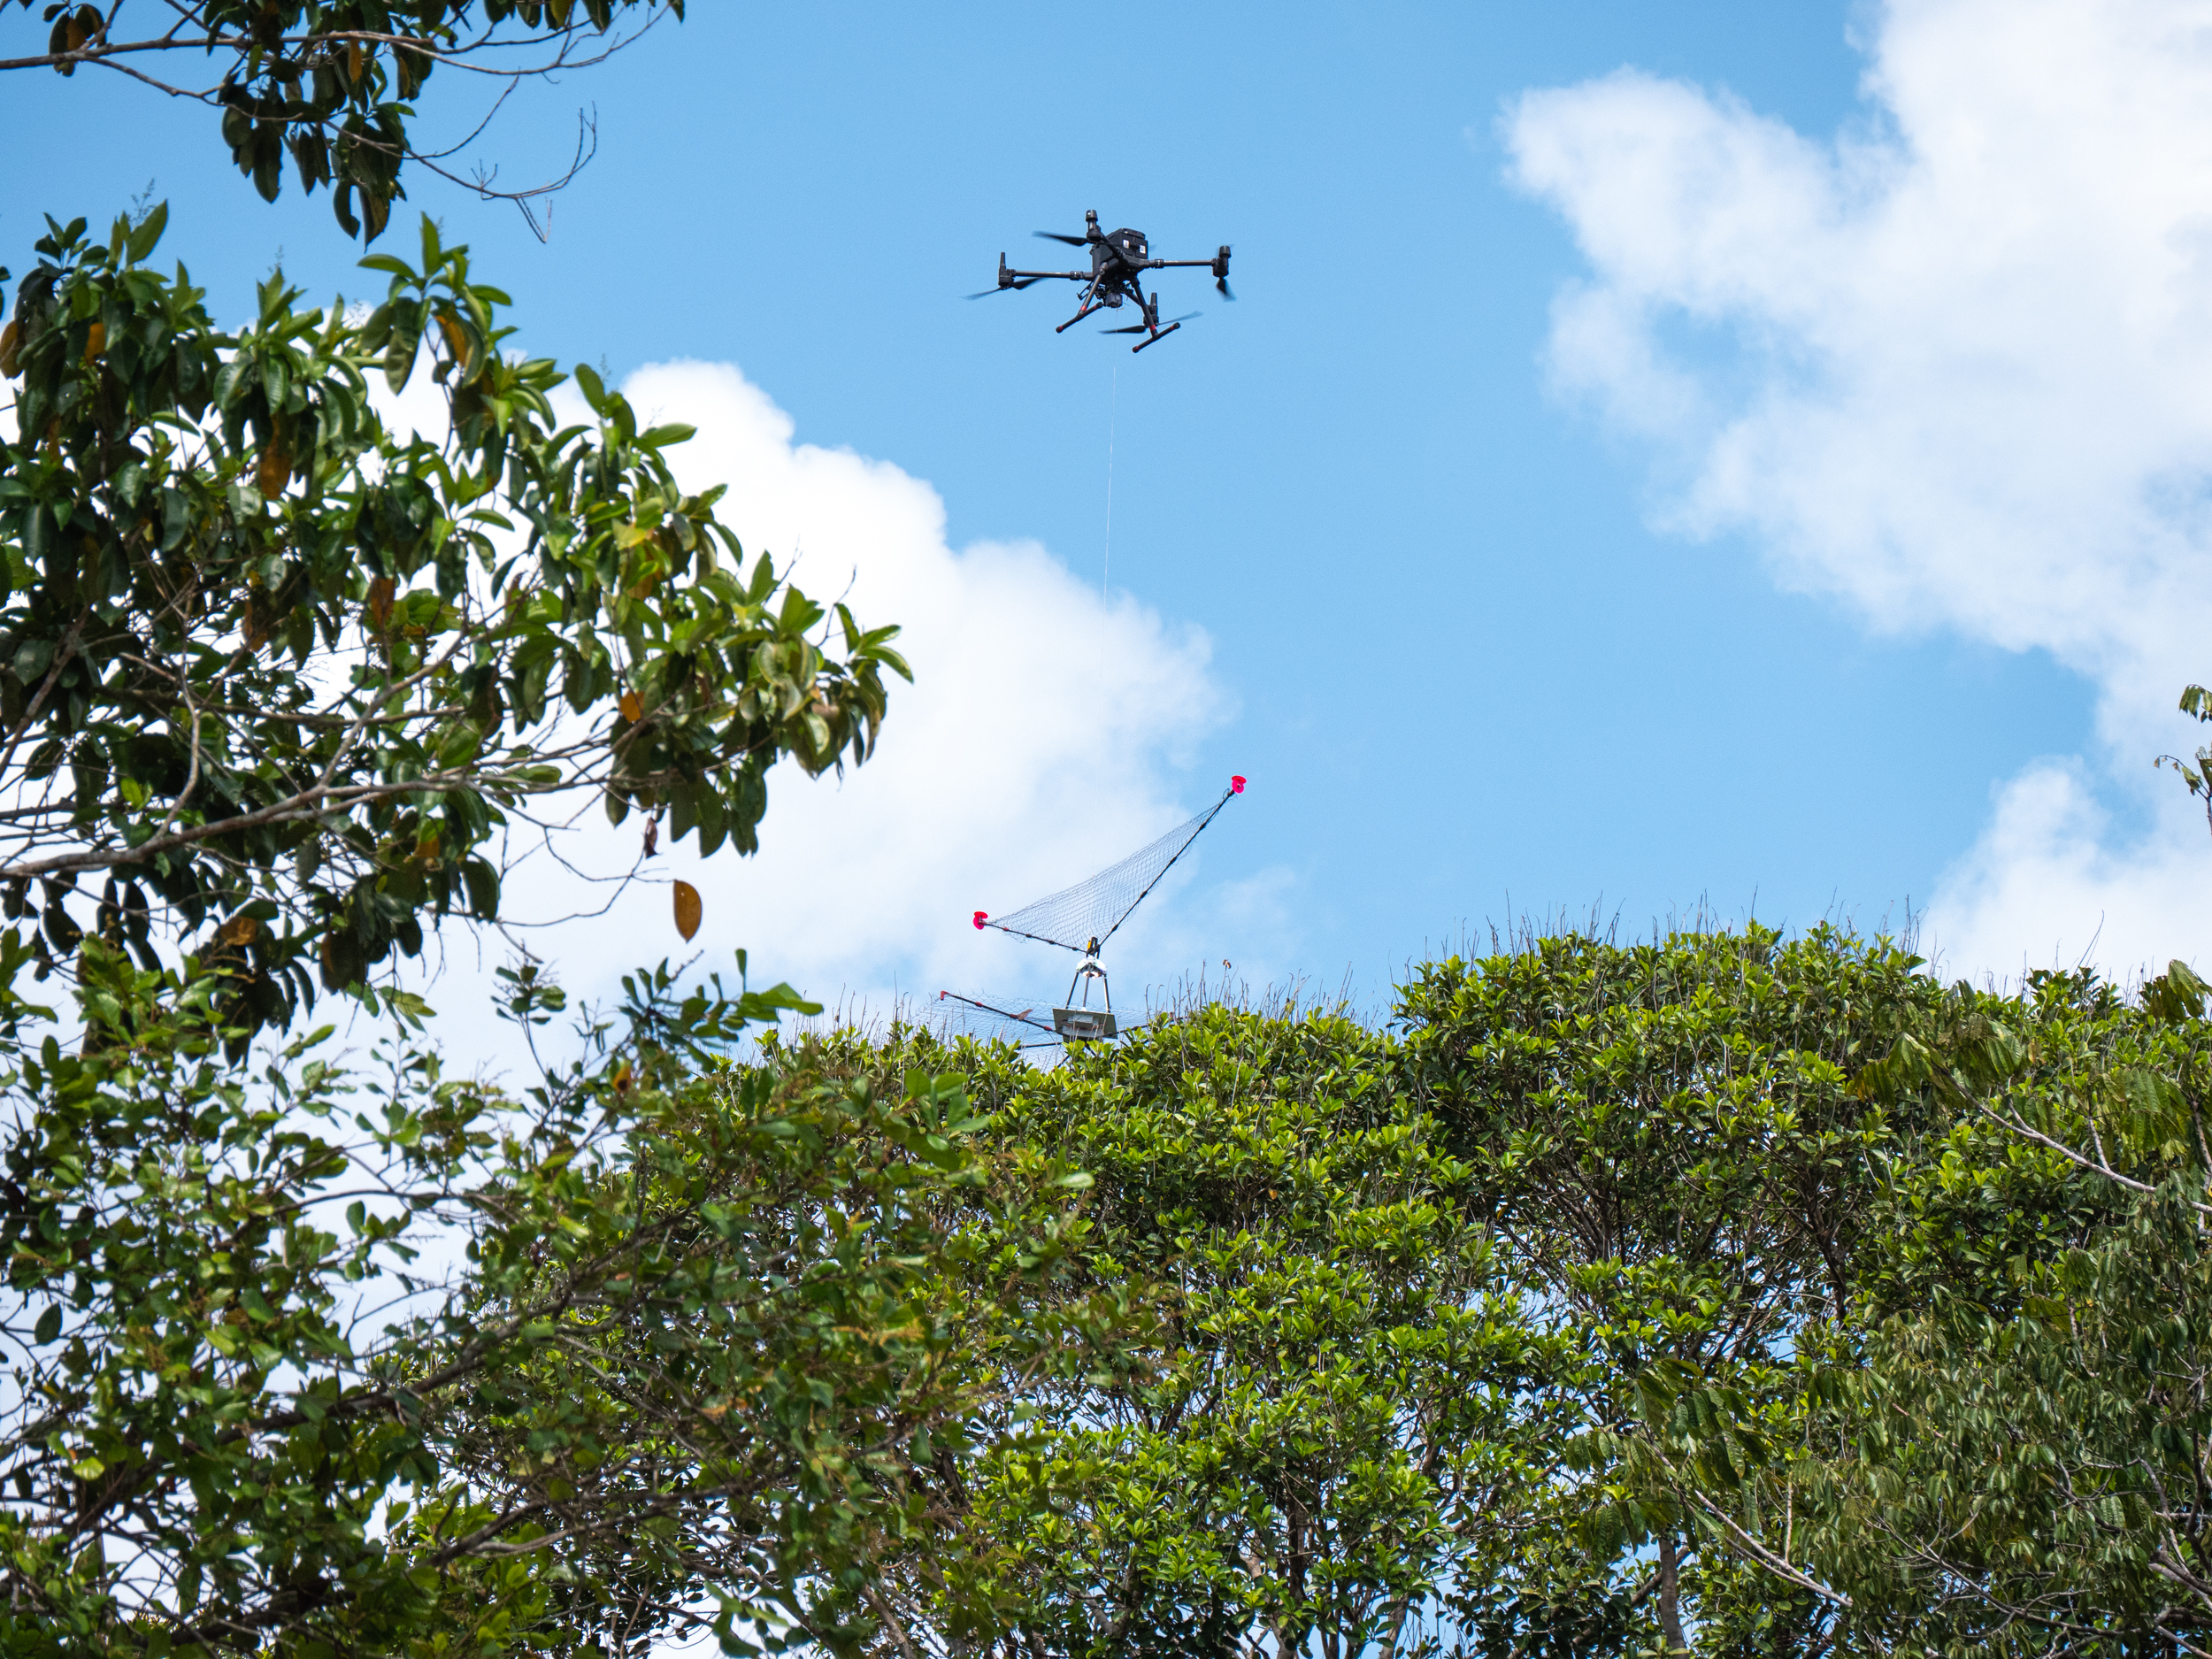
260	647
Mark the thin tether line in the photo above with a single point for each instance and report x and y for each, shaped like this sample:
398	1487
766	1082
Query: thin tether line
1113	411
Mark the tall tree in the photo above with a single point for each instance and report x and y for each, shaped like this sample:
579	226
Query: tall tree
281	680
2011	1458
1666	1141
707	1338
1324	1423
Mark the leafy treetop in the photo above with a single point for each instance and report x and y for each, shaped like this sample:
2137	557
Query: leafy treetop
335	86
296	682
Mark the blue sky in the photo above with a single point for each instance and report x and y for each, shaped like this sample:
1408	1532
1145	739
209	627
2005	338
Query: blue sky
1475	654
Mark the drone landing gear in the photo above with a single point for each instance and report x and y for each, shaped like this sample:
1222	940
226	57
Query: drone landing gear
1080	1022
1149	327
1092	301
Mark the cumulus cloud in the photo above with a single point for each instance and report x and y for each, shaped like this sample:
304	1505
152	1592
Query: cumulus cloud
1049	733
1953	366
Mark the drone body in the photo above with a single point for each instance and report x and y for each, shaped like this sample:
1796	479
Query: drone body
1119	258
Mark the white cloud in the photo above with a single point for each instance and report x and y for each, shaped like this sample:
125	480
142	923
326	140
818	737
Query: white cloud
1953	366
2043	888
1047	734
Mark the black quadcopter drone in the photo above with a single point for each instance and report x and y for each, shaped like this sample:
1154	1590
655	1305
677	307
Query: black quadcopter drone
1118	259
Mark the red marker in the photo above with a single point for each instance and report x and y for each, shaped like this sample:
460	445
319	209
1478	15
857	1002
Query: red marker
980	918
1236	785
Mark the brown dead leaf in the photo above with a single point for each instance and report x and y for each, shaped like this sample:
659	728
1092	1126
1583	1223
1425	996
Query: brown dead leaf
380	590
96	342
10	349
239	930
632	710
688	910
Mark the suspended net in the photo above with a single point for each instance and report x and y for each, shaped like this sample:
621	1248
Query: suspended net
1084	917
992	1018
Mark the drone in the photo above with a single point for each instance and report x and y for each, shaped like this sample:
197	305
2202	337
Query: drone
1082	918
1118	260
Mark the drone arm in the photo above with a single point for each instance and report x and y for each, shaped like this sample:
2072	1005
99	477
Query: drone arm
1071	276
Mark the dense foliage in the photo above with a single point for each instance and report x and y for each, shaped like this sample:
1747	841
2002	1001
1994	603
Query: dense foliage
689	1373
315	1352
1725	1294
335	88
289	679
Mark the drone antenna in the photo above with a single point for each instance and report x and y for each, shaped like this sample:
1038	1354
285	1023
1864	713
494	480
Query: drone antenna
1084	917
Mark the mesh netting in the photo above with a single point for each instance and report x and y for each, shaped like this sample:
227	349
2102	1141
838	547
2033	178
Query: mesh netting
991	1018
1093	909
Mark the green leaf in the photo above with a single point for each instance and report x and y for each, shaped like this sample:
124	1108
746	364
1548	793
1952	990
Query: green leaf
146	234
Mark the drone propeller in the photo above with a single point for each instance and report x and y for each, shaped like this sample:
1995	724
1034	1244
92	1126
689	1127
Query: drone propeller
984	294
1222	289
1072	242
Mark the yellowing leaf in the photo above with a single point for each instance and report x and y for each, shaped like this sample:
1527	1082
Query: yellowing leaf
239	930
688	910
456	342
96	341
10	349
353	61
633	710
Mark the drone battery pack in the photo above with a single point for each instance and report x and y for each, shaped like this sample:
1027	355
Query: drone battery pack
1083	1025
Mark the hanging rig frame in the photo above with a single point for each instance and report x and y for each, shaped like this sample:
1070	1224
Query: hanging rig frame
1092	912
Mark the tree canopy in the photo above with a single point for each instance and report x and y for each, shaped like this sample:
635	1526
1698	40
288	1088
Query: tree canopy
335	88
287	687
1723	1293
1726	1293
294	679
